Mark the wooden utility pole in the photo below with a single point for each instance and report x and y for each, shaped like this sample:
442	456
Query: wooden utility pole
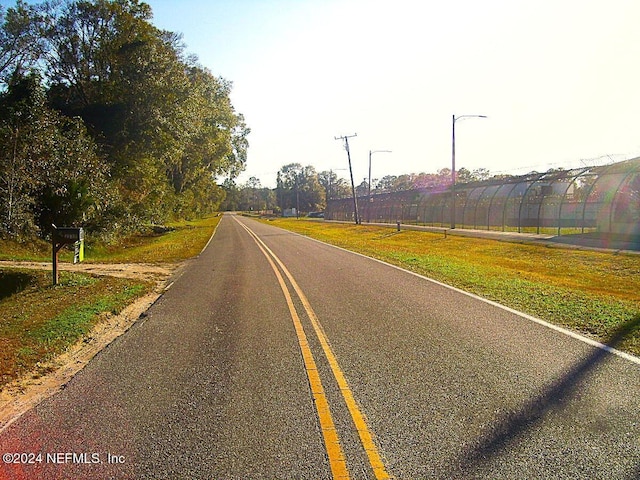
353	187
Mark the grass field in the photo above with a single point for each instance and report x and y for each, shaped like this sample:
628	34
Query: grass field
593	293
39	320
178	241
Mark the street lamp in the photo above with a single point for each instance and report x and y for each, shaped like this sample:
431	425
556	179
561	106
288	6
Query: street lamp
371	153
453	163
370	199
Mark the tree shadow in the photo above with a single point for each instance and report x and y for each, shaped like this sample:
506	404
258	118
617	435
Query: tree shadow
508	429
600	240
13	282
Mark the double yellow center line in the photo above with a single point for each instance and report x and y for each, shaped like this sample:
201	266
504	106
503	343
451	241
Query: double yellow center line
331	440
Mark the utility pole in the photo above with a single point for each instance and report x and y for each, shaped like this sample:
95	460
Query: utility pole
297	198
353	187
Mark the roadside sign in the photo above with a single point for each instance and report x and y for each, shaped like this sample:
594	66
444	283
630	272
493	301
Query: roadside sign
78	251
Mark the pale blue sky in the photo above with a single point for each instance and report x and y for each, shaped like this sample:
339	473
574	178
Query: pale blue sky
558	79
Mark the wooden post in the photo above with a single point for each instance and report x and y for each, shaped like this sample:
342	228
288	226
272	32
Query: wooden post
54	255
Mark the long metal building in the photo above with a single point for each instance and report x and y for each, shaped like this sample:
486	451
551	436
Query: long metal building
590	199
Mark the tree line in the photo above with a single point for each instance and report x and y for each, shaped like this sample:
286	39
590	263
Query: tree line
107	122
307	190
297	186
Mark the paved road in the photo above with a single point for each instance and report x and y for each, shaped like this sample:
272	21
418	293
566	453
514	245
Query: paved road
336	366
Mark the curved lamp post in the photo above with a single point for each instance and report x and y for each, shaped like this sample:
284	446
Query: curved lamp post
371	153
453	163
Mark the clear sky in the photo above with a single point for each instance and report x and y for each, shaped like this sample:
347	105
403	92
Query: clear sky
558	79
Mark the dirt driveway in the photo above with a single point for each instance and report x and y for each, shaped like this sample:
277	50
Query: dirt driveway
145	271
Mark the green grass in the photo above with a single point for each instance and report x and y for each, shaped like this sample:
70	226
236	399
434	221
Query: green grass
182	240
593	293
35	250
40	321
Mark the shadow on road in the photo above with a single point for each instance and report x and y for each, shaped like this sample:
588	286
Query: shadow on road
508	429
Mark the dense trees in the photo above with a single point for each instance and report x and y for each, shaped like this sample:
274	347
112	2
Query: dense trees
21	44
152	129
392	183
251	196
50	171
333	186
298	187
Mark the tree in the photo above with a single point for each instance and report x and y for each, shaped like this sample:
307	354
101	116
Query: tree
386	183
362	190
481	174
478	175
231	199
299	187
166	124
51	172
250	196
333	186
255	197
20	42
393	183
19	178
163	125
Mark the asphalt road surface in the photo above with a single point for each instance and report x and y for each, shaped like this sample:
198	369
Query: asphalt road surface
274	356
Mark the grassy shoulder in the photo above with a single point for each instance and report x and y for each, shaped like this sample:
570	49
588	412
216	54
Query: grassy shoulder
181	240
593	293
40	321
174	243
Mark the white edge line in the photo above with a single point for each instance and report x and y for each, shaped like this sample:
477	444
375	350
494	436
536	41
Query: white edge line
211	237
544	323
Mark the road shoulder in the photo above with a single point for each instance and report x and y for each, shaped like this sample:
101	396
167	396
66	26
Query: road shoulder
23	394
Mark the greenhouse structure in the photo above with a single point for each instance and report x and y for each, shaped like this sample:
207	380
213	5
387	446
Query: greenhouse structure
602	199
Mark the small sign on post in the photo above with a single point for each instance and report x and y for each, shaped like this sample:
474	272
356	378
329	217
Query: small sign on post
66	236
78	251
